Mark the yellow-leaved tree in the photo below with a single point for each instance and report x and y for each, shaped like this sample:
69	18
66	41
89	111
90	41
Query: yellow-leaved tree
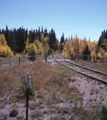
5	50
39	46
25	51
44	41
83	43
71	46
93	47
76	46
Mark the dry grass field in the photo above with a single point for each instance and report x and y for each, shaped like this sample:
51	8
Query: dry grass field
101	66
56	93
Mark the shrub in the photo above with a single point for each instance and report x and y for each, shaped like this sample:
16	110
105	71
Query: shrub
22	85
104	113
13	113
32	51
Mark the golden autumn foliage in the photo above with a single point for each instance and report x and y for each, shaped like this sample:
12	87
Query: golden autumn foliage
76	46
2	40
101	52
93	47
44	39
32	49
4	48
25	51
27	44
39	46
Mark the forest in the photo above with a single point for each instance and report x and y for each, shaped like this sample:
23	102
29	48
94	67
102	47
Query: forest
40	41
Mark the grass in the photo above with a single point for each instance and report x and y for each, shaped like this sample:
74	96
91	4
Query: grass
37	114
101	66
55	92
13	61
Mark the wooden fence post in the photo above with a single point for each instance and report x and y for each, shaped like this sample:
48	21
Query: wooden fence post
0	63
9	61
19	60
27	97
45	57
70	57
102	58
83	57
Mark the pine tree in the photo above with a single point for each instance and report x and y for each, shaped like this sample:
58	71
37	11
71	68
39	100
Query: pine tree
62	41
7	36
52	40
86	52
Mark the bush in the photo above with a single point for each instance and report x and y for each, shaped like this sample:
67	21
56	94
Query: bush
104	113
22	85
13	113
32	51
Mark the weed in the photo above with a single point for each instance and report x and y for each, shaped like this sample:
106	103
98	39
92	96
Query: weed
82	114
103	113
63	110
37	114
45	112
32	106
91	93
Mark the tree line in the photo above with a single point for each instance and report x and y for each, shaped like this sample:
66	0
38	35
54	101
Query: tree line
16	38
21	40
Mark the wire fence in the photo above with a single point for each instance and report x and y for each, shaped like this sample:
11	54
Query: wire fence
87	57
13	61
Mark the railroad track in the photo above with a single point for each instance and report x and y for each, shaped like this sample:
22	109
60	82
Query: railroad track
88	72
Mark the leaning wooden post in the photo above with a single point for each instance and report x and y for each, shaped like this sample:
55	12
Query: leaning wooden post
27	95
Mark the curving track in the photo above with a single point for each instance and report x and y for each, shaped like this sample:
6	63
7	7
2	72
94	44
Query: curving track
88	72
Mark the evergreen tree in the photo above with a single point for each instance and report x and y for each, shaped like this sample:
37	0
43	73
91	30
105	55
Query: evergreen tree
3	32
102	42
39	35
62	41
7	36
86	52
45	33
52	40
42	30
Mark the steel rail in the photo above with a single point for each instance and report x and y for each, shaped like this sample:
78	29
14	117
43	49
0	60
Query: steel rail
95	78
100	72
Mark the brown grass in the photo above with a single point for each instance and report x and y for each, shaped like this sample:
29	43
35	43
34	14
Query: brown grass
101	66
